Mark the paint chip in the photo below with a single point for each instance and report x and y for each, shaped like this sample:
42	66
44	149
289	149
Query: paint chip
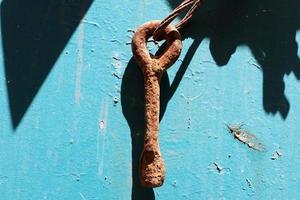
118	76
276	155
102	124
116	101
249	183
71	141
174	184
245	137
217	167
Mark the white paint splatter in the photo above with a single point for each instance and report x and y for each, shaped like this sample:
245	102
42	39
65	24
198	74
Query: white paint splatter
101	124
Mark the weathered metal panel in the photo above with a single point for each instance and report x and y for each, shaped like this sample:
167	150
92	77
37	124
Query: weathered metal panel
72	101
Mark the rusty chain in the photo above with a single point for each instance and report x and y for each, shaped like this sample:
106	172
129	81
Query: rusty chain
195	4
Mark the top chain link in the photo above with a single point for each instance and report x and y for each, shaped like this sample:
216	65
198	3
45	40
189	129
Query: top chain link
195	4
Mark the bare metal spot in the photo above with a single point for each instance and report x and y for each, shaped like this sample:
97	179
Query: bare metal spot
246	137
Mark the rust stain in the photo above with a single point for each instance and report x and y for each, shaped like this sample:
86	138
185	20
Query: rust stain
152	167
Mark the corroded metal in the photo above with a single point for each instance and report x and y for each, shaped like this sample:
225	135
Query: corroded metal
152	167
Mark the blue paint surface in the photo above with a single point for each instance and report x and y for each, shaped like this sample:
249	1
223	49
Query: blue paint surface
80	133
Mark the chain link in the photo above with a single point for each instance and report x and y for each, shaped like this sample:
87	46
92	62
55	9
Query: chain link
195	4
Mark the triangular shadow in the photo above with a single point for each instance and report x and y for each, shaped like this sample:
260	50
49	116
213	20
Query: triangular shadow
34	33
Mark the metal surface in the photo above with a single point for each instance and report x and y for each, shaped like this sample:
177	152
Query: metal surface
80	136
152	166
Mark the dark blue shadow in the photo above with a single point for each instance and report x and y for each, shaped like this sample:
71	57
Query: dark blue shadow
34	33
267	27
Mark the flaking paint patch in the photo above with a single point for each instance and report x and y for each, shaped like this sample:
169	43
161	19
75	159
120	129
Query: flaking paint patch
102	136
79	63
245	137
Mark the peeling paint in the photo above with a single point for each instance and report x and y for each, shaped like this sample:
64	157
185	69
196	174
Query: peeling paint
245	137
276	155
116	100
217	167
249	183
107	180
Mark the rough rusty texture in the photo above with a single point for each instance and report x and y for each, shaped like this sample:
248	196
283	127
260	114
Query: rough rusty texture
152	167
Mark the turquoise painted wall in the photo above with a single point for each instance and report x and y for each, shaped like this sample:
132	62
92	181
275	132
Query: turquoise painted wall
71	96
